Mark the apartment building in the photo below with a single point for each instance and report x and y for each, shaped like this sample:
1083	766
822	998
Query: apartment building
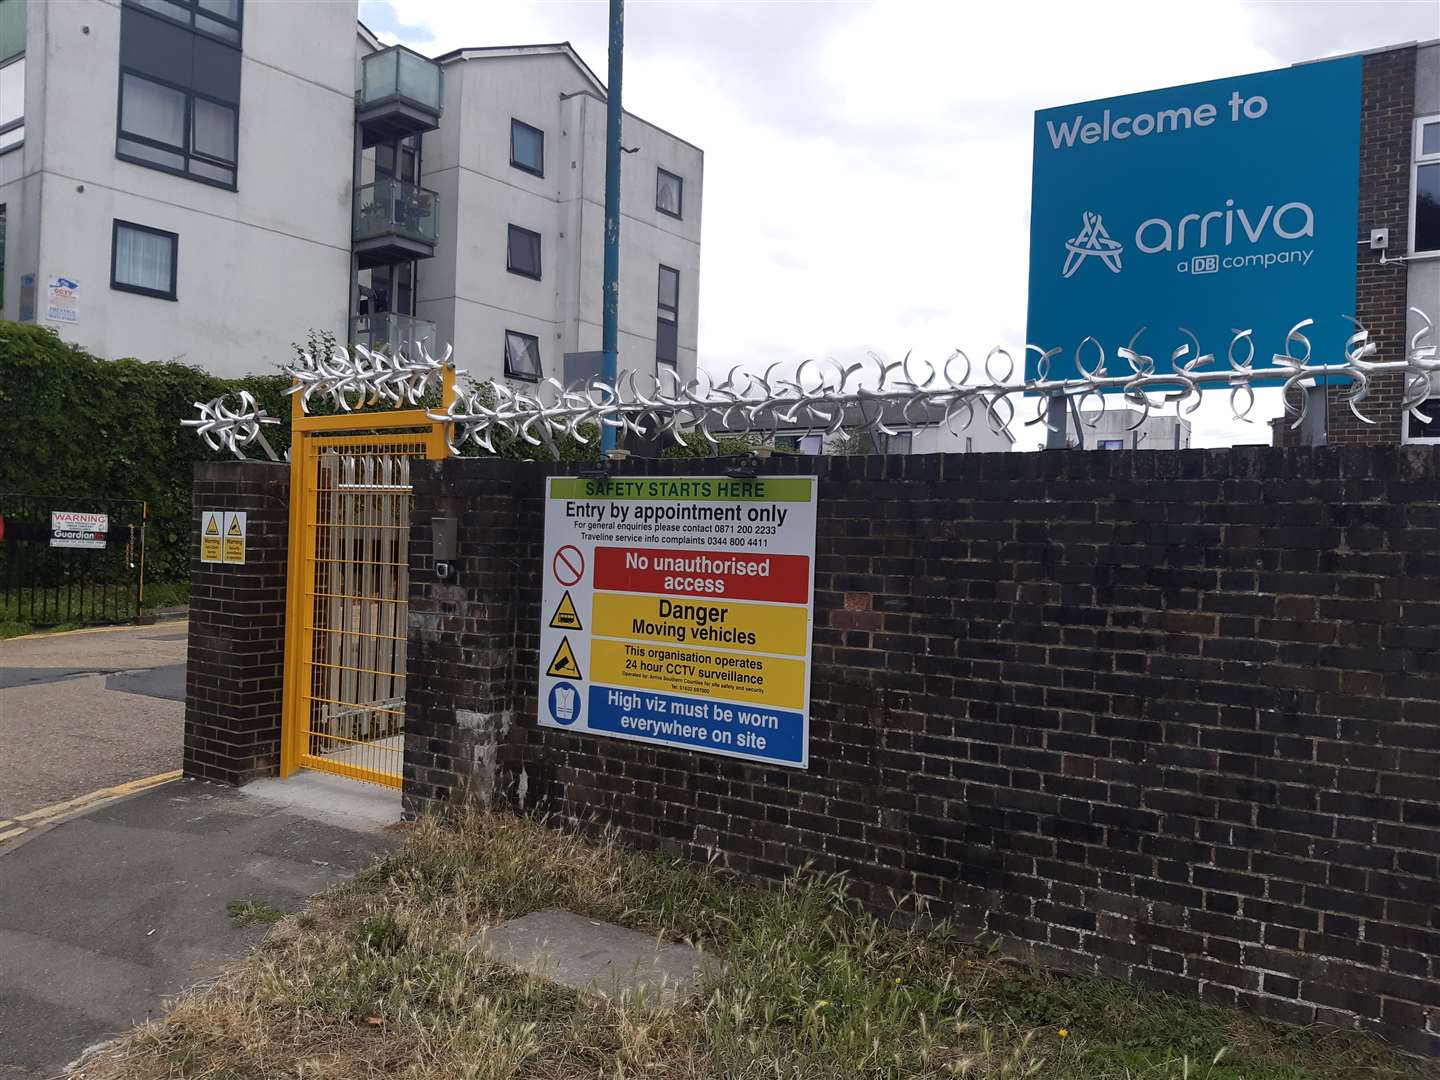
273	169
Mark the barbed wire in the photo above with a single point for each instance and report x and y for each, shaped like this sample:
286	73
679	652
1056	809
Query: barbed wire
828	398
357	377
832	399
223	428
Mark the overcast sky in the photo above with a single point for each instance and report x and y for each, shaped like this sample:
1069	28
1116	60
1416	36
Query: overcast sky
867	165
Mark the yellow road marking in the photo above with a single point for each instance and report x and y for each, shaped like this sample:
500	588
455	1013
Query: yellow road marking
126	788
11	834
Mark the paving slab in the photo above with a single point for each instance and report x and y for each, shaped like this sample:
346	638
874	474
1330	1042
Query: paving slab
598	957
106	915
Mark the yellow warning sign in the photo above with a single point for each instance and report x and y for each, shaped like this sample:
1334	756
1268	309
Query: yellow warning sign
566	617
210	536
563	664
234	542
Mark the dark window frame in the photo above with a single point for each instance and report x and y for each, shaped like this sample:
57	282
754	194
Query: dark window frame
194	8
678	215
1420	160
538	275
540	172
662	309
539	366
140	290
185	151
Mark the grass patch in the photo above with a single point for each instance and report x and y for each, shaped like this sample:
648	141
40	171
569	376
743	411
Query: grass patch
376	979
252	913
20	613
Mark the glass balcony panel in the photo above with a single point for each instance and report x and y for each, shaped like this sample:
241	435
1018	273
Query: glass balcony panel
419	79
398	72
390	206
395	333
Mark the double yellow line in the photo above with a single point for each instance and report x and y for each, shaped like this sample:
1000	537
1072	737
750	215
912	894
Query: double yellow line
23	823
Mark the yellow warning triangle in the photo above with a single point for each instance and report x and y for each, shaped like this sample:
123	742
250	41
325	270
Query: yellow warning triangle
564	665
566	617
212	529
234	526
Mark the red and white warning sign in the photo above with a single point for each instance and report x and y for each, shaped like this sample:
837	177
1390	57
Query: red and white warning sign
568	565
69	529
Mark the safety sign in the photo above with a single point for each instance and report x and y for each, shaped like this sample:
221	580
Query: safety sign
211	529
69	529
565	617
234	537
563	663
222	536
679	611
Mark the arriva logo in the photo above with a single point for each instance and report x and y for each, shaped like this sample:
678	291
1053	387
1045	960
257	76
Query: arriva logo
1156	234
1215	228
1093	240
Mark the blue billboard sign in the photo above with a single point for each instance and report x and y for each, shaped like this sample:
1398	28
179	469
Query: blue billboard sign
1217	206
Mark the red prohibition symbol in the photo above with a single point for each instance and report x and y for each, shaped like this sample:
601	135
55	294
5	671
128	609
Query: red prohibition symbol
568	565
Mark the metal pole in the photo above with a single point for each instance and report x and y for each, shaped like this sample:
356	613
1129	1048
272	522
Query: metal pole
1055	420
609	364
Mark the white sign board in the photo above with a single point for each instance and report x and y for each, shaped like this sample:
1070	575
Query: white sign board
678	611
73	530
62	300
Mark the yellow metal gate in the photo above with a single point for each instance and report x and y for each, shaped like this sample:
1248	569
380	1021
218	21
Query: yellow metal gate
347	590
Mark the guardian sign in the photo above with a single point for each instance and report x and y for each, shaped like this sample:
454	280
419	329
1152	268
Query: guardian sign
1217	206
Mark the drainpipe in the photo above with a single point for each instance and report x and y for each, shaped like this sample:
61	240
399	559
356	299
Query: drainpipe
610	333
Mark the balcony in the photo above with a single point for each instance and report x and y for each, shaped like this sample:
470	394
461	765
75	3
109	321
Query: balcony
401	334
394	222
399	95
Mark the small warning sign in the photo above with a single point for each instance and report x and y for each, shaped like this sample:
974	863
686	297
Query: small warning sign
234	543
210	536
564	665
566	617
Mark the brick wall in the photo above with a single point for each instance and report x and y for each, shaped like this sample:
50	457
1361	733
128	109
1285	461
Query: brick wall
1387	117
1172	717
236	658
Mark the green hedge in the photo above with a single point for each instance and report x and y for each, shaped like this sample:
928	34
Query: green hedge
73	424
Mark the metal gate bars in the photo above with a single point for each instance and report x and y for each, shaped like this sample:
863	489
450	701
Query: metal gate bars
344	703
71	559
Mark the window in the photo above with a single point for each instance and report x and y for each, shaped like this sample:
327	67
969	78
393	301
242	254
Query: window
522	356
667	319
669	193
1425	182
522	253
1427	430
899	443
166	127
527	147
217	18
1111	444
143	260
12	101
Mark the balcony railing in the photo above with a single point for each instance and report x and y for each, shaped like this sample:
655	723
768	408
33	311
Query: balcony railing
394	222
399	94
392	332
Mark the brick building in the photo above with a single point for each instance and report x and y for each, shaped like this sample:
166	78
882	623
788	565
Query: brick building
1400	194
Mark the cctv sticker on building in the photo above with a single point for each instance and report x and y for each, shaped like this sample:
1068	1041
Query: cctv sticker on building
1217	206
678	611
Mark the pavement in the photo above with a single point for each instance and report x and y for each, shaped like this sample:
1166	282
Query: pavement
88	710
107	913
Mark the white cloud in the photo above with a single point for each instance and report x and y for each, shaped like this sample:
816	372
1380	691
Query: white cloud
867	165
